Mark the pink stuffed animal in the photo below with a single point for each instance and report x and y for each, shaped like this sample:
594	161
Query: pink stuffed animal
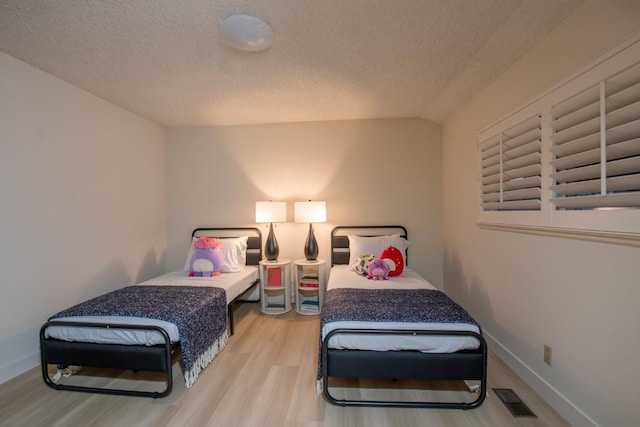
378	270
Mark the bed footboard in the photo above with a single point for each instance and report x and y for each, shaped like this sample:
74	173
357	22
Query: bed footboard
155	358
461	365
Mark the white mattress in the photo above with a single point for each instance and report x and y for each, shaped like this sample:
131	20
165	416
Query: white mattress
341	277
234	284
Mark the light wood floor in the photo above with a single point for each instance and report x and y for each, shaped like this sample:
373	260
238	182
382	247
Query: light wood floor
264	377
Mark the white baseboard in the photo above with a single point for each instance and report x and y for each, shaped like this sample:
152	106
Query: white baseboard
18	367
553	397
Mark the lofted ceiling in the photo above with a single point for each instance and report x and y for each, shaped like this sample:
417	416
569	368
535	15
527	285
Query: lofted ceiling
330	60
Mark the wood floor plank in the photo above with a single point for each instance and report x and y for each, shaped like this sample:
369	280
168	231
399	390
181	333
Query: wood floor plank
266	376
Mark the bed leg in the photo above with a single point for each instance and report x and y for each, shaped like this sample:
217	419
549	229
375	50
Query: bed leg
230	310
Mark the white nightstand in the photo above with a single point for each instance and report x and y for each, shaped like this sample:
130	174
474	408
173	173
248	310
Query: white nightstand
310	284
275	286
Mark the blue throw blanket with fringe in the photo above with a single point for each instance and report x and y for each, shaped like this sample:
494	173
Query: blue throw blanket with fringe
200	313
389	305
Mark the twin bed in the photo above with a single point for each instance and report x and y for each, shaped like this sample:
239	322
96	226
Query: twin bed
140	327
401	328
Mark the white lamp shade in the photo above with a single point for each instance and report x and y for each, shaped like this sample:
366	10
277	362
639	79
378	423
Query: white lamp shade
271	212
246	32
310	211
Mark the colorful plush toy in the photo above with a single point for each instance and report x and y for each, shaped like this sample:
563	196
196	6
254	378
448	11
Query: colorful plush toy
378	270
207	257
393	255
361	266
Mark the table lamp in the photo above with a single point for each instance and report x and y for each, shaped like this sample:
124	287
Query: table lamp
271	212
310	212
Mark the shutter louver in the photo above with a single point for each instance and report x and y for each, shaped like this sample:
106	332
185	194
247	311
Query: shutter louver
510	168
596	145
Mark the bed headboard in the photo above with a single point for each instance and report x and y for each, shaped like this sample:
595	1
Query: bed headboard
254	242
340	242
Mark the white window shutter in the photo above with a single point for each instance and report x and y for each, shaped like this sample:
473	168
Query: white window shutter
596	145
510	168
569	159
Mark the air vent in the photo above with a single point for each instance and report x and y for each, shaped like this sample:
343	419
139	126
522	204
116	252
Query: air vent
515	405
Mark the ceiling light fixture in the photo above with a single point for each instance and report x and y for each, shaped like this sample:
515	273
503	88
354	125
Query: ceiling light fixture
247	33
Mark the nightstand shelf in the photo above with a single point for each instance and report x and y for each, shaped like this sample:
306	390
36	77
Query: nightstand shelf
275	286
310	283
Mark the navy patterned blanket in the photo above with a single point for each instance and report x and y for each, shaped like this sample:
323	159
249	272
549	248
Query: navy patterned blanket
392	305
200	313
389	305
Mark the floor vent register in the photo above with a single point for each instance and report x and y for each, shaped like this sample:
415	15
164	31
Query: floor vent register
515	405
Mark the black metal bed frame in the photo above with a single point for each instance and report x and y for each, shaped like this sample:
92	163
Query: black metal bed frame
156	358
254	256
404	364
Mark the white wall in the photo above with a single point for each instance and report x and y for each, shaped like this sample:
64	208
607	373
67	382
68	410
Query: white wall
82	203
368	172
579	296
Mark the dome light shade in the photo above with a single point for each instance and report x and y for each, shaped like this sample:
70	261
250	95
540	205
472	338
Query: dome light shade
247	33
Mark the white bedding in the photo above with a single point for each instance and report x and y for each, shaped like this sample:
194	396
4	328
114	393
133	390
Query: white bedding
341	277
234	284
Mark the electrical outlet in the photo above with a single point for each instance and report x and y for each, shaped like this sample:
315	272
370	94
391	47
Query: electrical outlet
547	354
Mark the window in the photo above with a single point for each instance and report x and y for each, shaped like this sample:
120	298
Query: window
571	158
510	168
596	145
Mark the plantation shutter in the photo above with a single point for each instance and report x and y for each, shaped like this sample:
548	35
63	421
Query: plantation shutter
596	145
569	160
510	168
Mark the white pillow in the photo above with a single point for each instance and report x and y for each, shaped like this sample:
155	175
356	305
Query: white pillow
360	245
235	253
234	250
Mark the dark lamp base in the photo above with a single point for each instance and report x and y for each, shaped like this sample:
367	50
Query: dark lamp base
311	246
271	249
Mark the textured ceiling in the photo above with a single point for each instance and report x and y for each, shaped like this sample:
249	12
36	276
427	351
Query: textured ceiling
331	59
